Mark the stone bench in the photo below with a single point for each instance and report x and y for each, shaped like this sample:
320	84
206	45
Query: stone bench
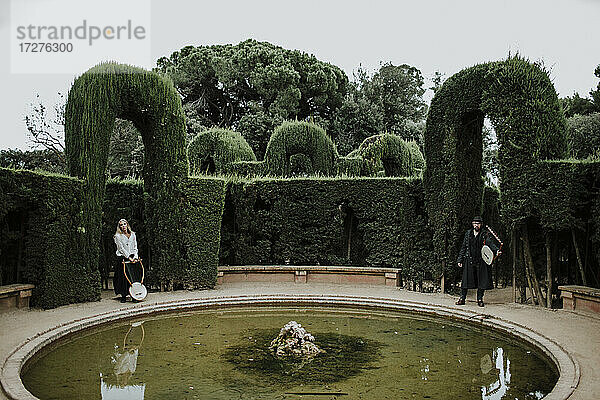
15	296
309	274
580	298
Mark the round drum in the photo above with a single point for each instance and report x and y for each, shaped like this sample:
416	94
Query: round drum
487	254
138	291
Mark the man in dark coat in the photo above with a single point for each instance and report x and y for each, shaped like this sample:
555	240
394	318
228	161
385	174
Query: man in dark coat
477	273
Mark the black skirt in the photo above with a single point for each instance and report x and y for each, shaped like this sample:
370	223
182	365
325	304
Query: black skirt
120	282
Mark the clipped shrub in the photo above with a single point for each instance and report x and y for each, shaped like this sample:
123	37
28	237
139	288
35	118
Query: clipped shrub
522	104
396	156
54	253
99	96
247	168
328	221
416	157
563	192
213	150
202	202
123	199
306	138
355	166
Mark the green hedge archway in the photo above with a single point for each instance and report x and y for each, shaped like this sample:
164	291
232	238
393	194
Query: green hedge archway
523	106
214	150
397	156
99	96
306	138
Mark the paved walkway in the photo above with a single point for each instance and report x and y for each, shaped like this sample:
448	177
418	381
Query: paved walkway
577	334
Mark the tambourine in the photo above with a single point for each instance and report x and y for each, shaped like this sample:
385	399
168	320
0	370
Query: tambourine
487	254
138	291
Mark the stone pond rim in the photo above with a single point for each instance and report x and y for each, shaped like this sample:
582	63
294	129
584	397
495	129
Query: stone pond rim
565	364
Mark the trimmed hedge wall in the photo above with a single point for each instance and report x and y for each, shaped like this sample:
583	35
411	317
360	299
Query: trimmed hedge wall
566	197
201	203
56	256
453	144
99	96
310	221
535	133
123	199
214	149
292	138
563	192
248	169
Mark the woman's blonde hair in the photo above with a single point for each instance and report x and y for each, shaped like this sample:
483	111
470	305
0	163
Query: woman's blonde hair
119	231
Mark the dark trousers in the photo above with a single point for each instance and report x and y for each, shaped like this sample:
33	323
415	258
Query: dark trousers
120	282
463	293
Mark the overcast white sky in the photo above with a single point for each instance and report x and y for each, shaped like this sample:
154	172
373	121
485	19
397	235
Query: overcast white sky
431	35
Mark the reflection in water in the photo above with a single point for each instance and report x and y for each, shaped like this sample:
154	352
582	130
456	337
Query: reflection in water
186	356
124	361
424	368
132	392
498	389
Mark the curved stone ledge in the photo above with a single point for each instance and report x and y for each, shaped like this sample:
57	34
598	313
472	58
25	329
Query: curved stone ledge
566	365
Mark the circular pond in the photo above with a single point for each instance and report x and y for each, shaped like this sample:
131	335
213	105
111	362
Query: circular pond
223	354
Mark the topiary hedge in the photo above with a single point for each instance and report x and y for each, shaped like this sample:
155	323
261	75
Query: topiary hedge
563	191
316	220
355	166
535	132
521	102
213	150
99	96
122	199
201	201
394	154
291	138
55	256
247	169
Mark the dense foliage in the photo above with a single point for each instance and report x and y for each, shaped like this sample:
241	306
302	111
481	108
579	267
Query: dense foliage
213	150
300	148
328	221
46	160
390	100
109	91
253	86
583	136
453	143
392	154
42	240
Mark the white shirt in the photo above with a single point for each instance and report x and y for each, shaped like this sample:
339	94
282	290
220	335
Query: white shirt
126	246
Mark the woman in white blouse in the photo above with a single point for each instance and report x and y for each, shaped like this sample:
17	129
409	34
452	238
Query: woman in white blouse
127	252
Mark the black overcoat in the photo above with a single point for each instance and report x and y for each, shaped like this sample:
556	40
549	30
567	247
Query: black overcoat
476	273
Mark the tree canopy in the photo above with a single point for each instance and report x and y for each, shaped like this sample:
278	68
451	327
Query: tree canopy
583	136
390	100
253	86
577	105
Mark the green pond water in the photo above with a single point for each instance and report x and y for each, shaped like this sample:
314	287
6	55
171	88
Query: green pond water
222	355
